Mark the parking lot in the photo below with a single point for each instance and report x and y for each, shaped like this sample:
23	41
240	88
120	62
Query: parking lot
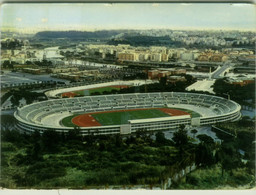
9	78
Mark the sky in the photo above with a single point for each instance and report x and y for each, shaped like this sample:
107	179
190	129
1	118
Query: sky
92	16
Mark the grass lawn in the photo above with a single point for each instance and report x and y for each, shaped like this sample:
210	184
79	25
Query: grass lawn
211	178
100	90
67	121
80	92
117	118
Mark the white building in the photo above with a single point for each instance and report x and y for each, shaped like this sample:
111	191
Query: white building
156	57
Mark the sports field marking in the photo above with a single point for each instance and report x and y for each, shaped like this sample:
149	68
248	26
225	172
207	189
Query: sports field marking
117	117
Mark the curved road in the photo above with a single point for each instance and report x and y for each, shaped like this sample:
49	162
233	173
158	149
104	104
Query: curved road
218	72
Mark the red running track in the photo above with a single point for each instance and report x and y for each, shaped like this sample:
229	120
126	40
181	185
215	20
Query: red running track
86	120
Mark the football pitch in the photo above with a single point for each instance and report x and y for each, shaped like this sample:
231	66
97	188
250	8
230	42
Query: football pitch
117	118
102	89
99	90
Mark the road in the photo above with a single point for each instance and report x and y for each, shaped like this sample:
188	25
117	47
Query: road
206	130
15	78
218	72
7	112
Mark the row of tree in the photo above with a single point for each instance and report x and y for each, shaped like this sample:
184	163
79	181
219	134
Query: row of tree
17	95
162	86
11	44
236	92
8	64
135	159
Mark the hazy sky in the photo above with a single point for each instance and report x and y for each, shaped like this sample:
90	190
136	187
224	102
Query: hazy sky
117	16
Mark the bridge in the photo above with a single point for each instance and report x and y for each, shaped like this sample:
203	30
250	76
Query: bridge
219	72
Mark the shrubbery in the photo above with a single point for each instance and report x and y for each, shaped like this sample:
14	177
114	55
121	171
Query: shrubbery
53	160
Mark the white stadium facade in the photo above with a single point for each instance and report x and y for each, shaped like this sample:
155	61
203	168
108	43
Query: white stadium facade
57	92
47	115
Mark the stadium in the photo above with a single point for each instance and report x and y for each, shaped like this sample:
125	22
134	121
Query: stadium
126	113
85	90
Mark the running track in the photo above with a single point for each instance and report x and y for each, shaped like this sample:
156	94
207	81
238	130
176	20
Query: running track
86	120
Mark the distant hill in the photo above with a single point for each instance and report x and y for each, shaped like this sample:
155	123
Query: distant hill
78	34
143	40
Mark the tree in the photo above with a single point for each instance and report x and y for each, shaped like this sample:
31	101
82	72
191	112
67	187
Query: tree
141	133
163	81
180	137
228	157
189	79
29	62
15	99
246	122
11	65
50	140
118	140
160	138
205	139
96	93
36	136
46	63
10	136
205	151
181	141
34	153
194	131
6	63
114	91
8	122
251	156
74	134
204	155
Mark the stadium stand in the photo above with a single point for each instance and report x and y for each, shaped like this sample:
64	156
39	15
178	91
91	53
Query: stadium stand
213	109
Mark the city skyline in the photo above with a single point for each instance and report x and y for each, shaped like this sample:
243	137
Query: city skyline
90	17
128	96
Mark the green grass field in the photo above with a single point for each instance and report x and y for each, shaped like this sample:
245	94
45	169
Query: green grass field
67	121
117	118
102	89
99	90
79	92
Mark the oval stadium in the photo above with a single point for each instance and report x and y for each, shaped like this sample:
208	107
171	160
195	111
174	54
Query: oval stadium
126	113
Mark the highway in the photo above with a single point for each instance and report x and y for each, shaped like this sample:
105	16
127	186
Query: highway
217	74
